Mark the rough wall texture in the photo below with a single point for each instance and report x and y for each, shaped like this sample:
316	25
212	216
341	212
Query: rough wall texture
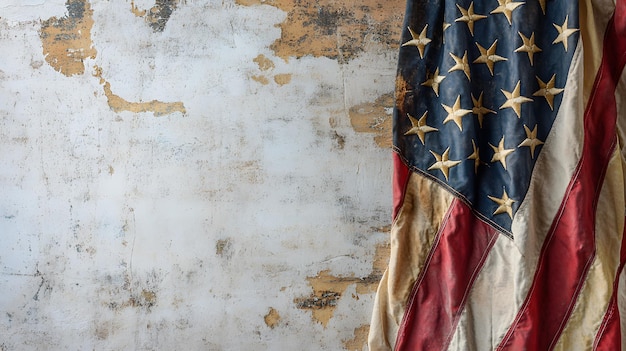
193	175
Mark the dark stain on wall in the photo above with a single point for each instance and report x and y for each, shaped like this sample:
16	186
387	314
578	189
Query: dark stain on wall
147	299
75	9
122	291
223	248
337	30
44	286
328	18
340	140
158	15
319	300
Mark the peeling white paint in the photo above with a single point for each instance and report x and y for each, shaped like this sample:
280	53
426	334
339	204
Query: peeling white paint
109	221
15	11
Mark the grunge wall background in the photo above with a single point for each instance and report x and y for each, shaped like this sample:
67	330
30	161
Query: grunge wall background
193	175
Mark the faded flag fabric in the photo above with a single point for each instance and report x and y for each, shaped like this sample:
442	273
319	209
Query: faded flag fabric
509	173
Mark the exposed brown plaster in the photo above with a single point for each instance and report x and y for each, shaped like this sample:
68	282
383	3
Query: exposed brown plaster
136	11
158	108
264	63
282	79
261	79
328	289
374	117
255	2
360	339
66	41
334	29
272	318
118	104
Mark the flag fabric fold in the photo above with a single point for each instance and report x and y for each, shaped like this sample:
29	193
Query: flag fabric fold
509	173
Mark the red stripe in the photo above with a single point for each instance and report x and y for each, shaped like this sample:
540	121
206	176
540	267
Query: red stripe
439	294
569	247
609	336
400	180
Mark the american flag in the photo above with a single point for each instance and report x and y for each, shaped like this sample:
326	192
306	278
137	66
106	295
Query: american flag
509	179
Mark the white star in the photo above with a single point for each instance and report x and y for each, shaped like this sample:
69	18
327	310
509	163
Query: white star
469	17
455	113
433	81
500	153
488	56
479	110
505	204
461	64
564	33
528	46
514	100
531	140
507	7
420	41
419	127
443	163
547	90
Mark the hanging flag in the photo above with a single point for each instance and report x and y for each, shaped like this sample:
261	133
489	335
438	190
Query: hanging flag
509	175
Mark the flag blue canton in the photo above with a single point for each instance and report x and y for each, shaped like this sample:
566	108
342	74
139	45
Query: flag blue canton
481	84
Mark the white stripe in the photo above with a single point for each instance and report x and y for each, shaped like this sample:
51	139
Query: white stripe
511	265
491	301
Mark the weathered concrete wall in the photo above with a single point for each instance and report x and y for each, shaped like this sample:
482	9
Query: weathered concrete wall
193	175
